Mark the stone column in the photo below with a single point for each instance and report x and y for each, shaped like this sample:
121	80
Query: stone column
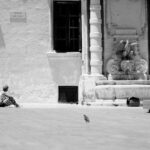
95	38
85	49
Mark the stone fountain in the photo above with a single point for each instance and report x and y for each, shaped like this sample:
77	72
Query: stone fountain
127	73
126	62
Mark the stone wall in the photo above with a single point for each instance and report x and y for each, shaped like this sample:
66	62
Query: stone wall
24	43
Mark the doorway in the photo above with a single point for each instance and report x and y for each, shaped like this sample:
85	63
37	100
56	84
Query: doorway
68	94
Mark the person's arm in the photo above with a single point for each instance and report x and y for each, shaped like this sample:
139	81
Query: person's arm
4	97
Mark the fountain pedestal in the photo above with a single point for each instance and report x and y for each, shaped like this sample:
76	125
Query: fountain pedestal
117	91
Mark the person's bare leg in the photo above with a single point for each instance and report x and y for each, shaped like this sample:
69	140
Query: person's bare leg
13	101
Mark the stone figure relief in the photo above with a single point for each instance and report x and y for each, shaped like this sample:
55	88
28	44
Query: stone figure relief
126	62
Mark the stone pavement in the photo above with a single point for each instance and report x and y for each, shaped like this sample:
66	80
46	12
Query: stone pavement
100	103
62	127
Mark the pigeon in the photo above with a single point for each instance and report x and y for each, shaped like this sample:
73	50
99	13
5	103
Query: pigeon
86	118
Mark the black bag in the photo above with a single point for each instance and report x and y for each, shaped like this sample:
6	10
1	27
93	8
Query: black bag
133	102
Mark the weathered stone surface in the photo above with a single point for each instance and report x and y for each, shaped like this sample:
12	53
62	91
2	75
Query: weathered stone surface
23	60
122	91
146	104
65	68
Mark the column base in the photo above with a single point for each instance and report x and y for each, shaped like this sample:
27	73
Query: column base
87	86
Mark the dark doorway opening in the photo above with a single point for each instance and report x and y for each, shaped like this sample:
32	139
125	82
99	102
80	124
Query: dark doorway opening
67	26
68	94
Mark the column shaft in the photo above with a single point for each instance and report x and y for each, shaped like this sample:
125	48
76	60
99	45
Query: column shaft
95	37
85	49
51	46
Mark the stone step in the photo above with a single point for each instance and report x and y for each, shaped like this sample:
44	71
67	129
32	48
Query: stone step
117	102
123	82
146	104
102	102
122	91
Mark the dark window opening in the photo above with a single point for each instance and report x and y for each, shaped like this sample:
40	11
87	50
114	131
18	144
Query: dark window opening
67	26
68	94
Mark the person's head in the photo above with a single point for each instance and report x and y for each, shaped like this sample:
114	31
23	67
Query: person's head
5	88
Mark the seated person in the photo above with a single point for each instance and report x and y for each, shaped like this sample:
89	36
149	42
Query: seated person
5	99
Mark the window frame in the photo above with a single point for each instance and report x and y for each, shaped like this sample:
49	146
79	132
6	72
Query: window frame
68	28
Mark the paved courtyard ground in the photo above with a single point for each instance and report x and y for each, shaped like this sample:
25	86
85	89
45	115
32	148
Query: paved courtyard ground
63	128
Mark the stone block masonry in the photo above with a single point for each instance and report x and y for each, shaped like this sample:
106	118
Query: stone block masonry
122	91
24	42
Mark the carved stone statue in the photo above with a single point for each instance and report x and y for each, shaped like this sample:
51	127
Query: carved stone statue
126	62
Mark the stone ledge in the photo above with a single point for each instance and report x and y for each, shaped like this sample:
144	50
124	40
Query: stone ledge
102	102
146	104
62	55
115	103
122	91
123	82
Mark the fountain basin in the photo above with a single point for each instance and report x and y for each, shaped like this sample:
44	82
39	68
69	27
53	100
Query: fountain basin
122	82
118	91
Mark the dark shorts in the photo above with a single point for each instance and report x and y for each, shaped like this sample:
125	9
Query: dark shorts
2	104
10	101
